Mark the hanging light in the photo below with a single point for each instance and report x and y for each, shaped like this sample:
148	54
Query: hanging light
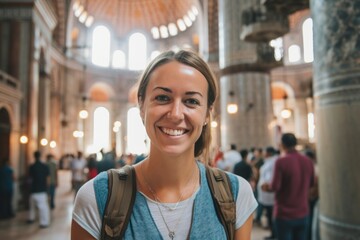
214	124
52	144
286	112
43	142
24	139
83	114
232	107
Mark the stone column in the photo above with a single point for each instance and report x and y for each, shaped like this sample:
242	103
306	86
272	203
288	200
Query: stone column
300	119
241	75
337	109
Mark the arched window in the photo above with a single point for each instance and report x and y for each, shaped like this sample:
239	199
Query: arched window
100	52
119	59
307	32
101	129
294	53
277	44
136	134
137	51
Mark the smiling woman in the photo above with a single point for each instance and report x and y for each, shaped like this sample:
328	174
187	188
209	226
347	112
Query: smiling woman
173	200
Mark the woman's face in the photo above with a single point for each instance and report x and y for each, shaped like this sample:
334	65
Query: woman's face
175	109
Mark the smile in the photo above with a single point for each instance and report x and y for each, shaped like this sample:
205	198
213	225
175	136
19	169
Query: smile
173	132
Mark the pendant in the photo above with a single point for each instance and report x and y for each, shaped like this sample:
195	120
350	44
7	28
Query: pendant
171	235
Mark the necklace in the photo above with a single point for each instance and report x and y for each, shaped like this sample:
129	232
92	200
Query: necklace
158	203
157	199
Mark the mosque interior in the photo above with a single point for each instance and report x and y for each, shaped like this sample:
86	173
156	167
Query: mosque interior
69	72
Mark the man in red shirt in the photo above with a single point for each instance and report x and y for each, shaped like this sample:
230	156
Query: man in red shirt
293	177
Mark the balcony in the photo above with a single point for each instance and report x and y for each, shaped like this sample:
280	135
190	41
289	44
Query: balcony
286	6
263	25
8	81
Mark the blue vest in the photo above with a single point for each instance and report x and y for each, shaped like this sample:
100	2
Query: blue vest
205	223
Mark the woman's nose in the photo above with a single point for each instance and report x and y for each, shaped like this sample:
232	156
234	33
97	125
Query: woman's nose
176	111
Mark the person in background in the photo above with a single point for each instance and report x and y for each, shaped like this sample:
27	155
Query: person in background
218	157
243	168
267	199
51	163
92	168
176	95
256	162
78	166
107	162
293	177
313	199
7	179
231	157
39	174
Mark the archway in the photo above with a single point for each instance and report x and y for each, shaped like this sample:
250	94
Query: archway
5	129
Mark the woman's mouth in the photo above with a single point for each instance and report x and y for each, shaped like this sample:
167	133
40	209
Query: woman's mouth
173	132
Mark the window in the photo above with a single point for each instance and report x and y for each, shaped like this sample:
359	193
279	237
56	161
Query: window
311	127
294	53
277	44
101	129
101	46
137	51
119	59
307	31
136	134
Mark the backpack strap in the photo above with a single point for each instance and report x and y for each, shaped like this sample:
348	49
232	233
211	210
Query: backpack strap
119	203
220	187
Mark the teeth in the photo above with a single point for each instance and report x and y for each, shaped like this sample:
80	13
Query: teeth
173	132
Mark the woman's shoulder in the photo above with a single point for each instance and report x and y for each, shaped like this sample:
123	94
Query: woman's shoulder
100	185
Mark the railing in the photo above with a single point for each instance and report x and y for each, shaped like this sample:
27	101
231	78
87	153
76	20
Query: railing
9	81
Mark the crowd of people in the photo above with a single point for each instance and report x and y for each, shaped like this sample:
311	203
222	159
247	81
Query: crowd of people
284	182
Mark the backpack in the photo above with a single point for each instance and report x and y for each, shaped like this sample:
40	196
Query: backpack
121	198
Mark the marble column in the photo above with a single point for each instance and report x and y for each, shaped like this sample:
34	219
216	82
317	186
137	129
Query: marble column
301	120
242	76
337	109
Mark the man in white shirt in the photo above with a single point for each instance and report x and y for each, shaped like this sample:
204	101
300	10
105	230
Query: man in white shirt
267	199
78	166
231	157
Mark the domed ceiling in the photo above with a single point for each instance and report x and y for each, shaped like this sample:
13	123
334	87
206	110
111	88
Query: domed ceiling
125	16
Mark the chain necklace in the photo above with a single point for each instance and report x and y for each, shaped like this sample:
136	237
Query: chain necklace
157	199
158	203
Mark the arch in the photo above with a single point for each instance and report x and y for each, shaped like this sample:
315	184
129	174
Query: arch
294	53
289	91
5	130
307	33
100	51
101	130
137	51
100	92
137	138
119	59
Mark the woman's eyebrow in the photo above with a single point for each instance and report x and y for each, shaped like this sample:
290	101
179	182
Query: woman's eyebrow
170	91
163	89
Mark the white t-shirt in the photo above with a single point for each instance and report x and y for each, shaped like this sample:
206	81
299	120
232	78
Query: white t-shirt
231	158
266	175
86	212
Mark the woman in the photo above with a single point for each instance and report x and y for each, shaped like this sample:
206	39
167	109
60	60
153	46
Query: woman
176	95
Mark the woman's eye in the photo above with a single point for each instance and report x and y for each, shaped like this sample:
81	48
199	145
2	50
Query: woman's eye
192	101
162	98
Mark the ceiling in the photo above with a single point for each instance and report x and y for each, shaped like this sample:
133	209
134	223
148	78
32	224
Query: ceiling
125	16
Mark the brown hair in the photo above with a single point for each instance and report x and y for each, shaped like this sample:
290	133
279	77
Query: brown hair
191	59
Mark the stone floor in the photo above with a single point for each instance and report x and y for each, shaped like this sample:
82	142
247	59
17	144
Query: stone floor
18	229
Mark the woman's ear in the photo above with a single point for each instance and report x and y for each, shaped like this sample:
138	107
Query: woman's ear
208	115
